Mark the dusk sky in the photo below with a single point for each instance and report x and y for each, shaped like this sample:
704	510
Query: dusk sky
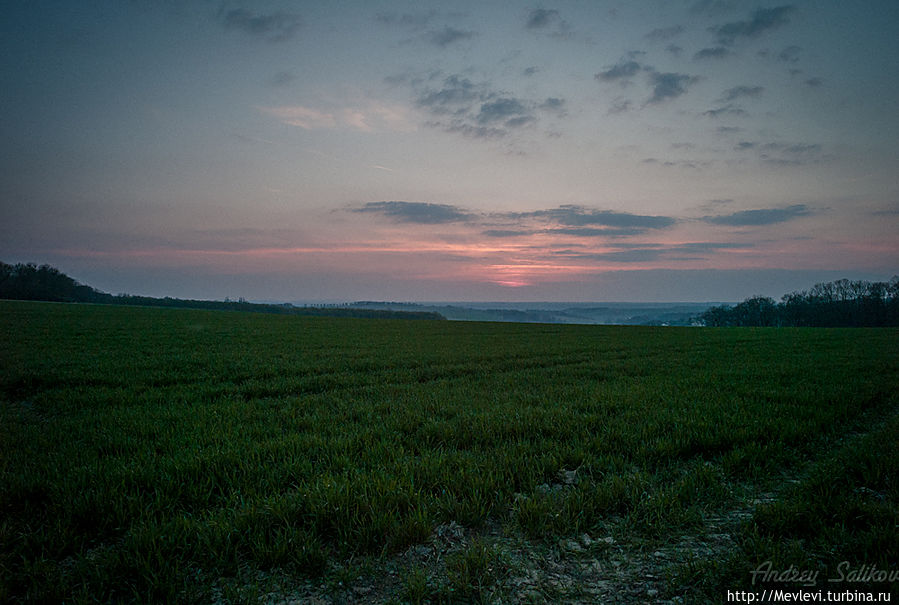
451	151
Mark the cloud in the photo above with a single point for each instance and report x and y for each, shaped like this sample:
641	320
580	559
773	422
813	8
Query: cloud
642	253
710	246
795	154
814	82
283	78
620	105
456	92
577	216
554	104
785	154
727	110
669	85
663	34
469	130
892	211
678	164
665	85
760	21
715	204
411	20
738	92
757	218
476	110
448	35
417	212
597	232
368	117
622	70
540	18
276	27
304	117
504	108
639	255
790	54
717	52
506	233
714	8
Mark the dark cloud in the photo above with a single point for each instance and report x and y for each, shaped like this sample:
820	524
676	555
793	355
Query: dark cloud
790	54
504	108
715	204
505	233
620	106
411	20
417	22
549	21
794	148
283	78
636	253
673	164
448	35
475	110
714	8
717	52
665	85
674	49
568	219
597	232
893	211
622	70
737	92
639	255
760	21
476	132
275	27
519	121
417	212
456	92
663	34
530	71
710	246
727	110
757	218
540	18
669	85
578	216
785	154
797	154
554	104
814	82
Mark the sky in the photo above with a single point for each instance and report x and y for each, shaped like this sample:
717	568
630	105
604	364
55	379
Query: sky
654	150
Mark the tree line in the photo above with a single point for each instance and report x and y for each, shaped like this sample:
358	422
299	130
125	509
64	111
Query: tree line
29	281
840	303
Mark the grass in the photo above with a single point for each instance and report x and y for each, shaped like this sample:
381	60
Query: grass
176	455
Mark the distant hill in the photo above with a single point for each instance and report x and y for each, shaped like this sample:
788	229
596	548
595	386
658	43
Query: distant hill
45	283
644	314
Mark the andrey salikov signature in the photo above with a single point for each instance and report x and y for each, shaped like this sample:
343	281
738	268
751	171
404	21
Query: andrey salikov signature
844	572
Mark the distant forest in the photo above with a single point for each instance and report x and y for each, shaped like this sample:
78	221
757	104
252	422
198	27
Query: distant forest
841	303
46	283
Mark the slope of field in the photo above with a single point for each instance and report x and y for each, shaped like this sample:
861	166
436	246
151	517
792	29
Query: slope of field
161	455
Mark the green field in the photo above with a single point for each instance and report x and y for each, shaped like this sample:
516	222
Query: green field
161	455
